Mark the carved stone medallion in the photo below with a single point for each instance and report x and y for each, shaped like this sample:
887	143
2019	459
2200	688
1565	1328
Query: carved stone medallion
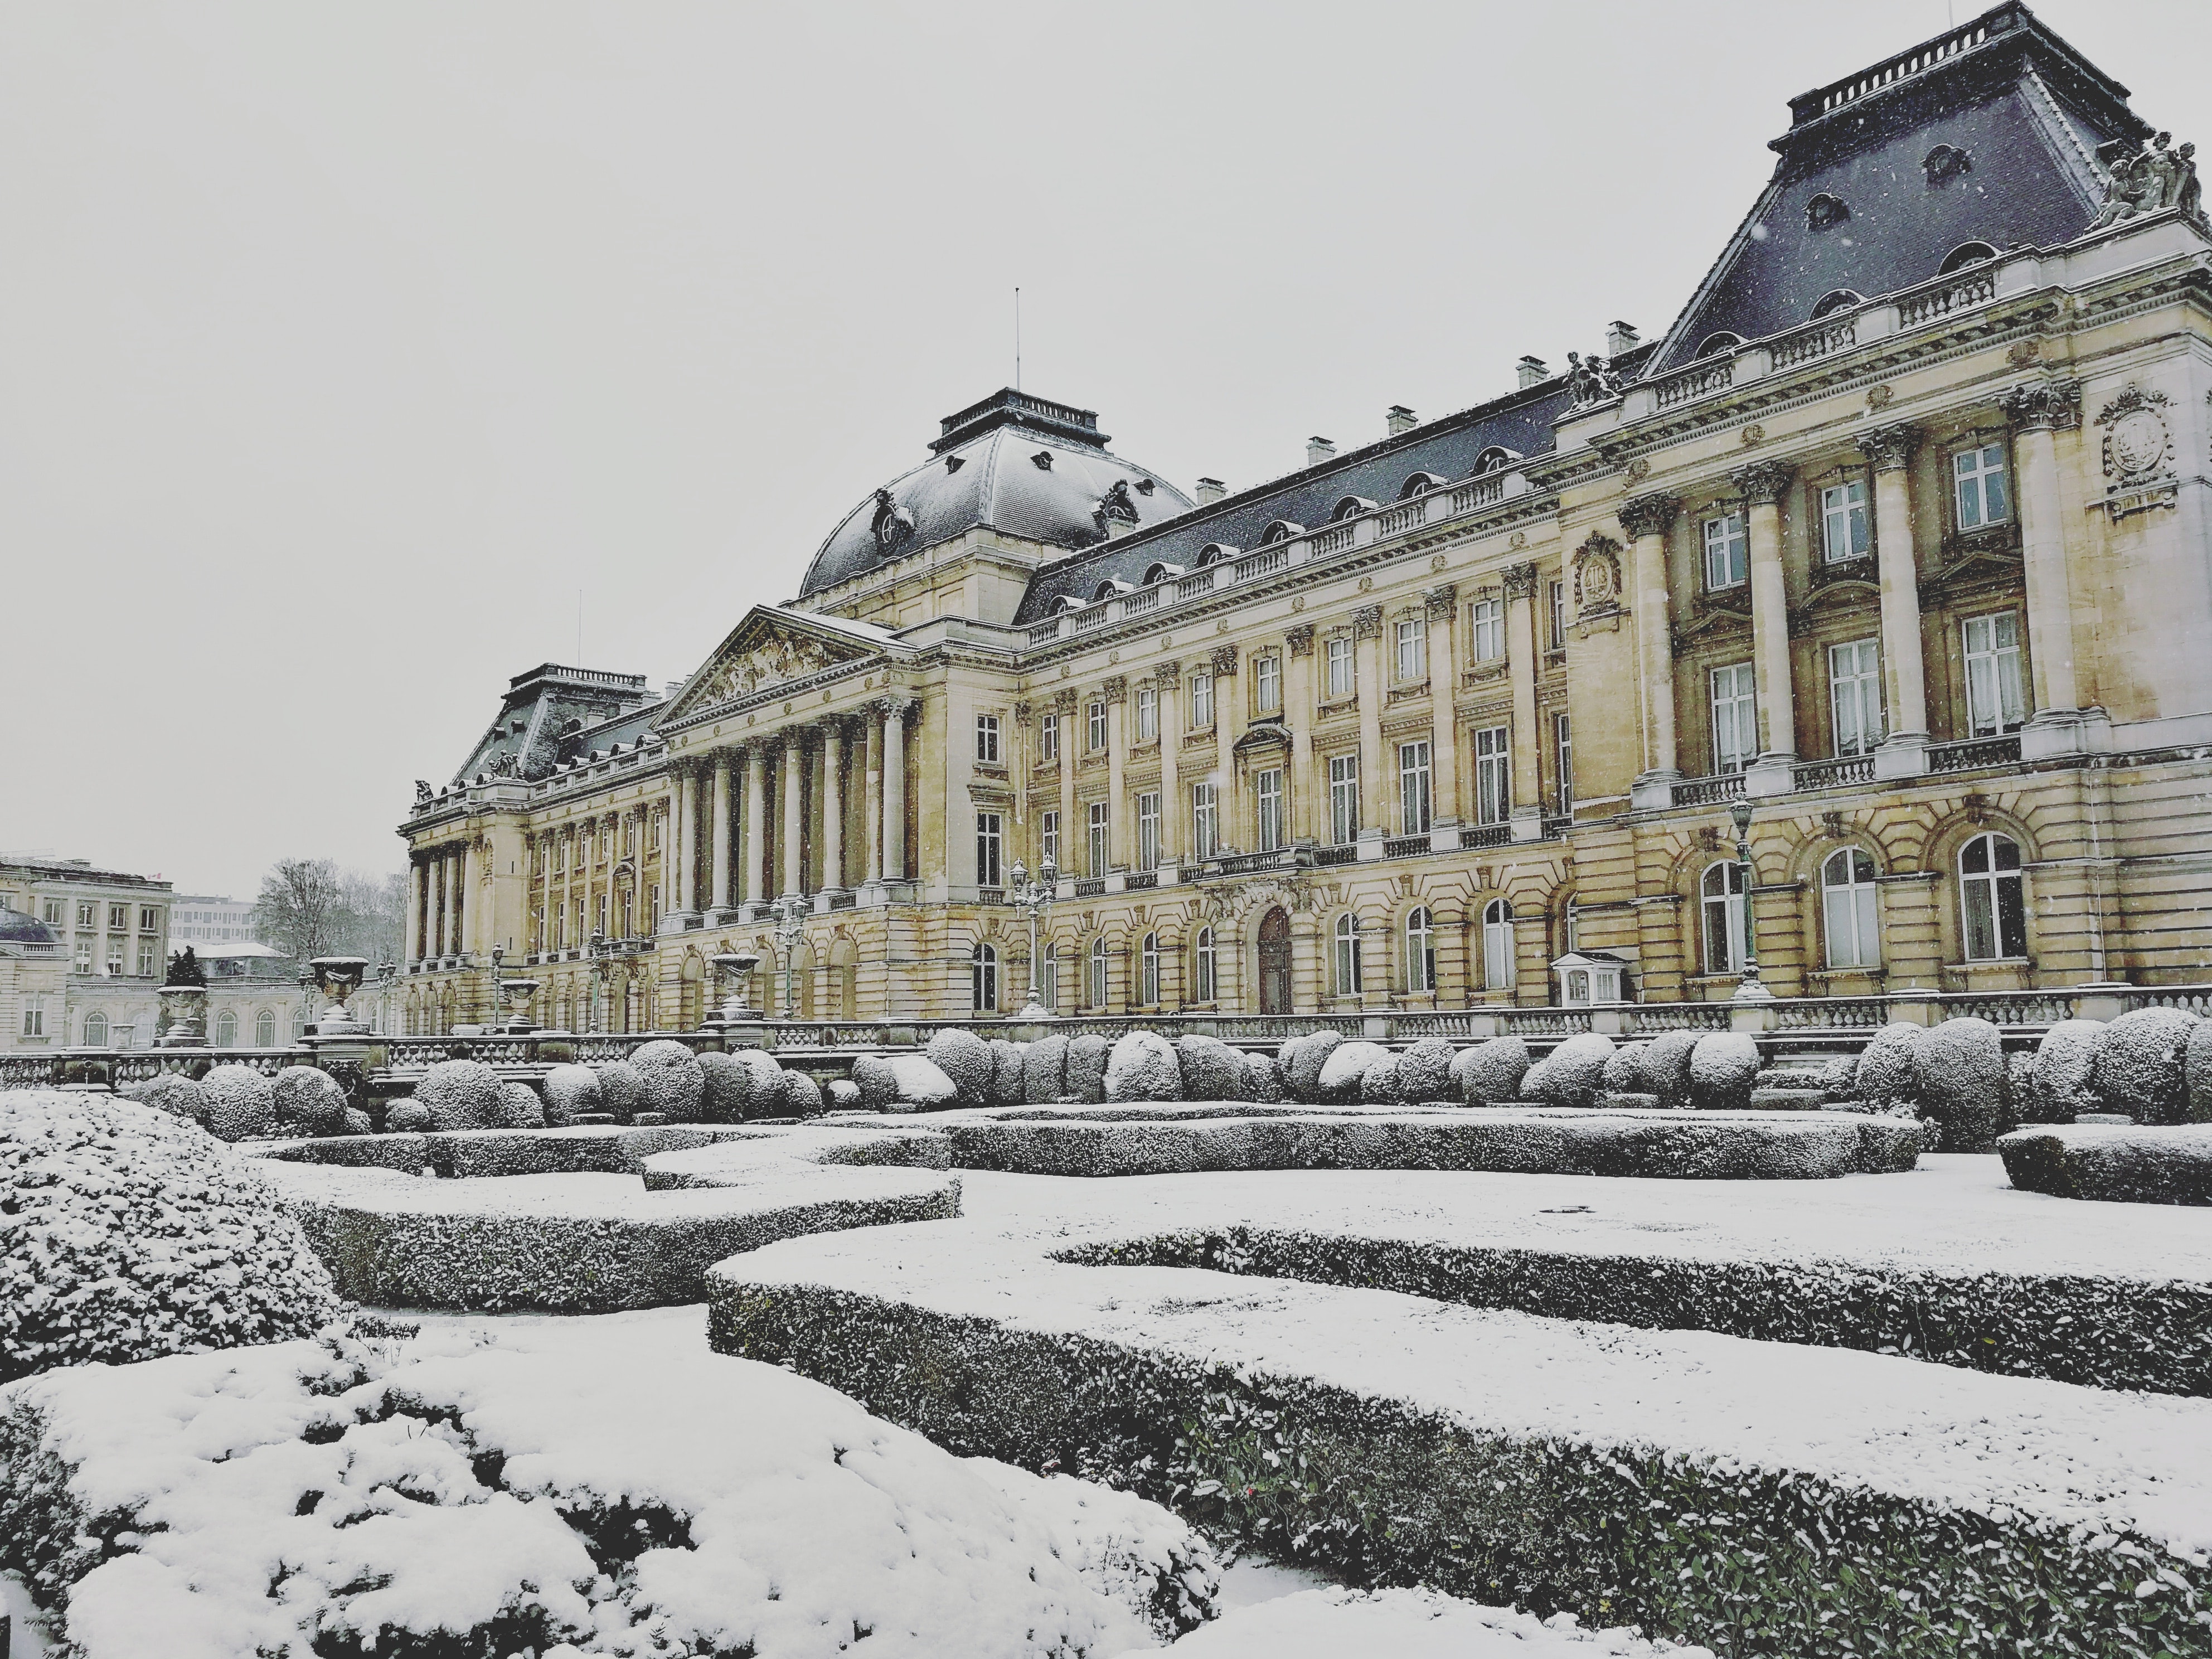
1597	574
2137	441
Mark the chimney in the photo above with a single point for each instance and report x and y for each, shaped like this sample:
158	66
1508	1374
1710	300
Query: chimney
1211	490
1619	338
1399	418
1319	450
1532	372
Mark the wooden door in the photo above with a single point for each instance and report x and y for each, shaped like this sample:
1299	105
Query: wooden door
1275	963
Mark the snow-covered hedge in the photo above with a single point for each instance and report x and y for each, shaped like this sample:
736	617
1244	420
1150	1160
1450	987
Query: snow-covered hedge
172	1092
1344	1067
1212	1070
2141	1069
622	1089
1665	1067
903	1083
1044	1070
1677	1479
520	1108
242	1102
1425	1075
571	1093
125	1233
1572	1074
1142	1065
2158	1165
1301	1060
1410	1623
461	1094
308	1101
675	1083
1886	1077
1960	1081
1085	1079
1490	1073
610	1484
967	1060
2062	1080
1723	1068
1006	1058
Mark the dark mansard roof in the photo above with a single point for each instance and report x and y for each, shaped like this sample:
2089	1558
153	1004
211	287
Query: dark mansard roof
552	713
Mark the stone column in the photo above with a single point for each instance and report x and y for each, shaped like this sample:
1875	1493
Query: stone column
1442	606
720	805
414	910
753	832
687	845
1521	657
2040	411
1645	521
1904	751
894	712
1115	691
1375	796
1225	732
1069	708
872	799
459	914
549	840
794	868
1763	485
833	806
1168	681
1304	790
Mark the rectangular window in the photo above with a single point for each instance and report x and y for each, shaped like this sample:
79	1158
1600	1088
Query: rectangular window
1412	650
1562	755
1855	695
1843	521
1489	630
1343	799
1493	774
990	849
146	958
53	913
149	919
1728	553
1048	737
1735	718
1982	496
84	955
1204	822
114	958
1202	964
1343	672
1994	699
986	739
1558	608
1097	827
1098	727
1048	839
1148	713
1268	789
118	917
34	1017
1267	684
1148	830
87	914
1201	702
1416	810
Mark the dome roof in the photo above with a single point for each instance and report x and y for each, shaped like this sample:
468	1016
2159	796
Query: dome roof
21	927
1016	464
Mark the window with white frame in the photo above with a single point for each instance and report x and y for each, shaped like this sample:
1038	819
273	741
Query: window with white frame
1981	492
118	917
35	1015
1493	774
1343	670
1048	737
1563	758
1993	898
87	914
52	909
1268	796
1488	629
1735	717
1267	683
1995	700
1148	713
1097	825
1556	607
226	1030
96	1029
983	979
986	739
1420	952
1349	977
1048	837
83	955
1148	829
1416	806
1205	821
149	919
1047	978
1098	722
1203	966
1413	657
1497	946
114	956
990	850
1847	906
148	956
1148	971
1844	531
1201	702
1854	695
1343	799
264	1029
1720	892
1727	552
1098	981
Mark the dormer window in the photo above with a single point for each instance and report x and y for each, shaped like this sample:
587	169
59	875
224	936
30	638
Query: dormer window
1041	460
1160	571
1145	486
1715	345
1106	589
1281	530
1420	484
1214	553
1966	253
954	463
1825	211
1835	300
1495	459
1351	507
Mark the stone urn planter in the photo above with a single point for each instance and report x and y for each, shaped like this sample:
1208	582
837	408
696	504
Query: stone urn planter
186	1008
734	968
518	993
338	978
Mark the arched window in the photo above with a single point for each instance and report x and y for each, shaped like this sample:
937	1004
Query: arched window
1496	458
1992	897
226	1030
1835	300
1420	951
264	1029
1349	982
1349	506
1159	571
96	1029
1714	344
1966	253
1098	973
1148	972
1203	966
1281	530
1214	553
1497	946
1420	484
1048	981
1105	590
1720	904
984	971
299	1023
1847	906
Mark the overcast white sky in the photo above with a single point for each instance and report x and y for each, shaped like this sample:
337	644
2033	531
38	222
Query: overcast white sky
340	347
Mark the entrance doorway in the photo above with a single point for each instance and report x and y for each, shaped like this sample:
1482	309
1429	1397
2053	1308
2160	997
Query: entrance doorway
1275	963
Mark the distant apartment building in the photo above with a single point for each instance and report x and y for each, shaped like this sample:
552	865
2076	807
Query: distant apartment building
200	920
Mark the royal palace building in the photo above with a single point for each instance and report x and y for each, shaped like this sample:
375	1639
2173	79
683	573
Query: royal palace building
1898	534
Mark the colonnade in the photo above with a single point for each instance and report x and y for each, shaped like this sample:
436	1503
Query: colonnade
437	885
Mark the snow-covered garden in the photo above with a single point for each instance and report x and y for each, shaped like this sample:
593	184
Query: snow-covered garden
1618	1348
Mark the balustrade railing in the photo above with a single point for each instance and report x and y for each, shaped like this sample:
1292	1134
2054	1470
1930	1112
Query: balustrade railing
1828	774
1972	753
1959	294
1678	1016
1406	847
1707	791
1819	341
1330	857
1698	381
1486	835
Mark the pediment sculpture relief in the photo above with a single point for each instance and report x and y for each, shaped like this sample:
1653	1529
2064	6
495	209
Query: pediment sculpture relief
769	661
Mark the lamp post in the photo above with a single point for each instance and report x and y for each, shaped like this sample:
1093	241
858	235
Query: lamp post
598	948
1749	989
498	954
790	928
1034	898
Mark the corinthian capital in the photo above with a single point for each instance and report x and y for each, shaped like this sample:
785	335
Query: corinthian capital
1367	623
1647	515
1889	448
1300	639
2043	405
1441	600
1114	689
1521	580
1763	484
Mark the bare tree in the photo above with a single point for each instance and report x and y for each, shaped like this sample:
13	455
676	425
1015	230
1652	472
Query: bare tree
302	910
376	908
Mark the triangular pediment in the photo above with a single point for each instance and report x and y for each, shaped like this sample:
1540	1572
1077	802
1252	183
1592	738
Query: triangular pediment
773	648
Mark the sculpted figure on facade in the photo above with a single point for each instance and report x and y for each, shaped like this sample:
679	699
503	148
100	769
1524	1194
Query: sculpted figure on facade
779	658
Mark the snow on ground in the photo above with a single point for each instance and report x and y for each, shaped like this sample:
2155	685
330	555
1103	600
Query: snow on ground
1406	1624
16	1603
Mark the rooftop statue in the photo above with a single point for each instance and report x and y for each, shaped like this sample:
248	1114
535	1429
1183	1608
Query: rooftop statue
1591	380
2147	180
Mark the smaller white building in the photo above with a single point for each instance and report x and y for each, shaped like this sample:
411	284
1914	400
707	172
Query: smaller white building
201	920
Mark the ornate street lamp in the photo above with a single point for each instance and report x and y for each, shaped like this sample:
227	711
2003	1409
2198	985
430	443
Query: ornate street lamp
1750	989
1033	898
790	928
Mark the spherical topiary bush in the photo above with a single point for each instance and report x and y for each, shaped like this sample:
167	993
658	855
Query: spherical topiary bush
308	1101
460	1094
844	1095
1958	1079
1666	1068
126	1233
966	1058
622	1089
1044	1070
1141	1066
1841	1075
765	1098
1381	1084
1302	1061
724	1086
674	1084
1341	1072
1086	1069
2196	1066
1885	1074
1005	1072
1490	1073
1424	1071
406	1117
1623	1072
242	1102
802	1096
174	1093
1263	1079
2142	1069
1212	1070
1572	1074
571	1093
520	1107
1723	1068
877	1082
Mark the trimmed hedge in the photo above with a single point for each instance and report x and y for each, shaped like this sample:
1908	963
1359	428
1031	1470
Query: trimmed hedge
2115	1164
